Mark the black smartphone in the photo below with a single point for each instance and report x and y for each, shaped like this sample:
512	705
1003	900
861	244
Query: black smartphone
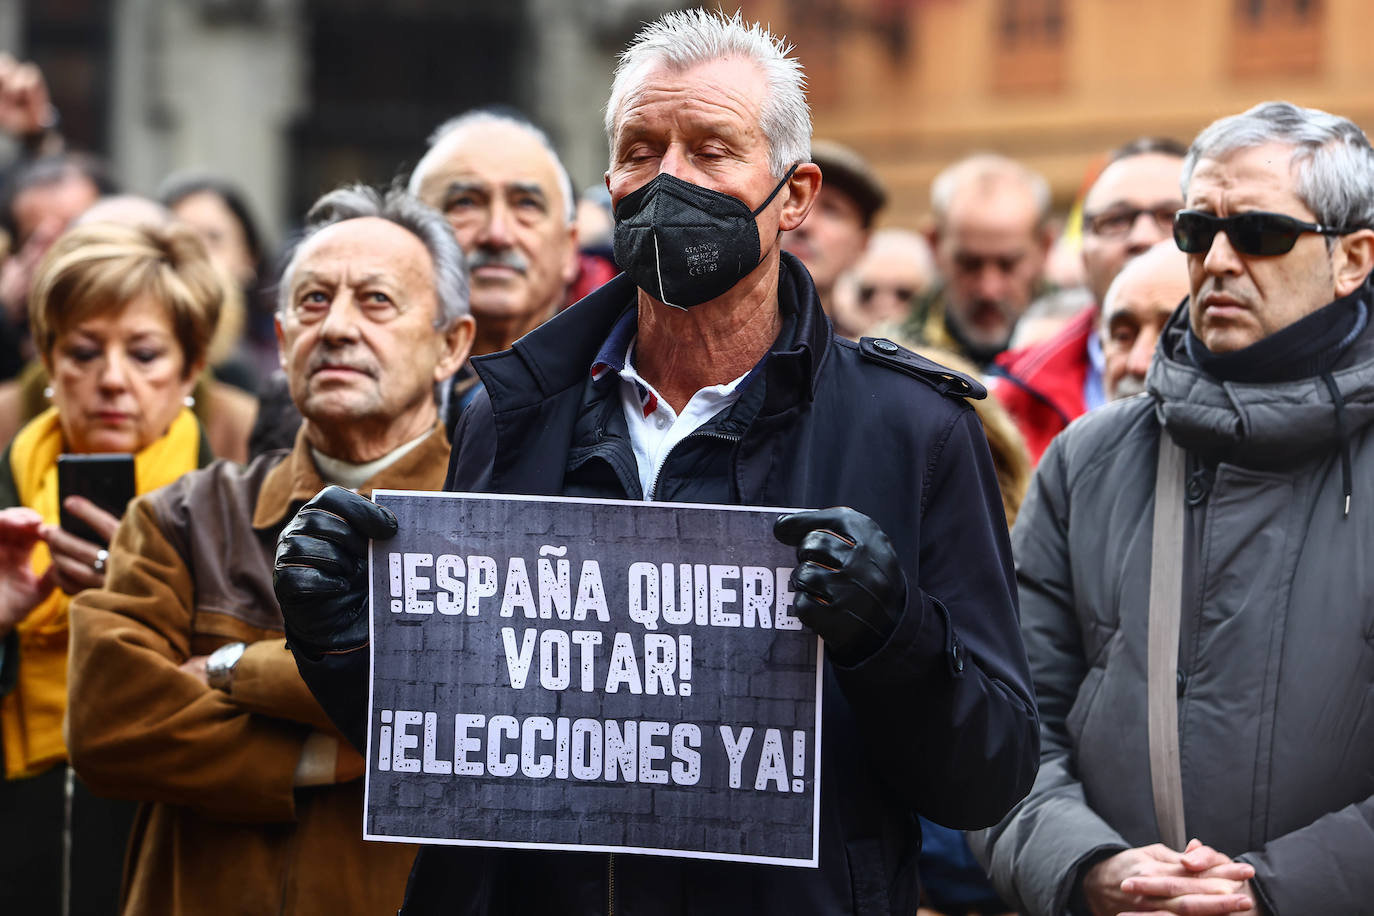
106	480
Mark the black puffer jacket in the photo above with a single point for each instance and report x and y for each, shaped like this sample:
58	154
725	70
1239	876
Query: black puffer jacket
940	721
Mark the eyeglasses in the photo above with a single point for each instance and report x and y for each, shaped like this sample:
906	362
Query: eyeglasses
903	294
1117	221
1256	233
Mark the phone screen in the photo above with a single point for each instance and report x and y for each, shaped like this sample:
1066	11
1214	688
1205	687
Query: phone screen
106	480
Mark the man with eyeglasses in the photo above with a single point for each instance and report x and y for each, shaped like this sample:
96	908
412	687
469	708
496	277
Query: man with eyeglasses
1207	731
1129	208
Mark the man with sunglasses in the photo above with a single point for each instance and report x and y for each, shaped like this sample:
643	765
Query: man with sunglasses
1129	208
895	271
1259	423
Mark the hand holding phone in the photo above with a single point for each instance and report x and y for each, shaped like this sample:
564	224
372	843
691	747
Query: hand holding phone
105	480
94	491
78	563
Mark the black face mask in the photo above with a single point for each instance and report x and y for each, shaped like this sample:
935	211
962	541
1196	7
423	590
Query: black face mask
684	244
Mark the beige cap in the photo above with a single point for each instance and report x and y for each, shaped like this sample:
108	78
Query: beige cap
843	168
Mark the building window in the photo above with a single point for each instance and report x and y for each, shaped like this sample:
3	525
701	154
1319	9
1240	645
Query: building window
70	42
1276	38
1029	52
822	27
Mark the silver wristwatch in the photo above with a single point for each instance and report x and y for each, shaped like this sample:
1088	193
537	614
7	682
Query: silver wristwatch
219	667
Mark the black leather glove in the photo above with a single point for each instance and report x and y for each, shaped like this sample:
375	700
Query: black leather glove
849	586
320	575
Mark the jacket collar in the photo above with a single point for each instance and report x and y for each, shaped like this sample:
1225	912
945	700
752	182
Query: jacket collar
796	370
558	355
296	479
1258	424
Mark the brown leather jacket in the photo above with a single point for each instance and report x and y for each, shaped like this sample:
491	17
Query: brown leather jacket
224	827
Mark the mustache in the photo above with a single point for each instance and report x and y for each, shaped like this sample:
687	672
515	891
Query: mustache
340	359
1217	285
504	257
1128	386
994	305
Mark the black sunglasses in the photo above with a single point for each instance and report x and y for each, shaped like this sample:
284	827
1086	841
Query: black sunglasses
902	293
1256	233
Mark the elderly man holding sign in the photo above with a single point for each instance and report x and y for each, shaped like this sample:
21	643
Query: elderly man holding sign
707	373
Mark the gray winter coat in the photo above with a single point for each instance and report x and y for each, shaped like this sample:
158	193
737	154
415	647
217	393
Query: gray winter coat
1276	654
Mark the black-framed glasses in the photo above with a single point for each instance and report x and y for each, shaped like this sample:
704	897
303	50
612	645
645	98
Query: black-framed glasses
1115	222
1256	233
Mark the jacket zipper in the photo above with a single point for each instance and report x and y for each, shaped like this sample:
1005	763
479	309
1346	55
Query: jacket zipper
610	884
69	803
653	484
652	495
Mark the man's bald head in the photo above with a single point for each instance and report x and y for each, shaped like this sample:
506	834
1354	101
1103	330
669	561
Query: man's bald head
1134	311
990	244
456	131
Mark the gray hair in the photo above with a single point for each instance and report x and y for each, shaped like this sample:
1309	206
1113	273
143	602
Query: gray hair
987	169
1332	162
359	201
479	116
685	38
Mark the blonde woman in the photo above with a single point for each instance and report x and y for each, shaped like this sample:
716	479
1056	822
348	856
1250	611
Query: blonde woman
121	317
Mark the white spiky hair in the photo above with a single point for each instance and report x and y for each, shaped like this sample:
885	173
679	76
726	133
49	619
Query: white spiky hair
686	38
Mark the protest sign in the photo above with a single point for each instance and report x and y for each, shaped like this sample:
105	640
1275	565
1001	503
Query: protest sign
591	675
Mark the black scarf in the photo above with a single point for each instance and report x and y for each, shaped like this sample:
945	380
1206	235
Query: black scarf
1308	347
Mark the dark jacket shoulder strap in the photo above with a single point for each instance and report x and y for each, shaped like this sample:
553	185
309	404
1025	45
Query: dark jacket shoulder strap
942	379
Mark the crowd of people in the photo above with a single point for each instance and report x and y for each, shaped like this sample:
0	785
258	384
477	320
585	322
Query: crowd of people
1089	500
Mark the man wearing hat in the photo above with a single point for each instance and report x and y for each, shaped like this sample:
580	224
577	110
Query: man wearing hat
833	236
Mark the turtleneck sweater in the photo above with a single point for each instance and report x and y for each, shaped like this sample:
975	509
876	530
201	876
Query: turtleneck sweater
353	476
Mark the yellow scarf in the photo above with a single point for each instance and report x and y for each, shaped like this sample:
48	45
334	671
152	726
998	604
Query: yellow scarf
31	714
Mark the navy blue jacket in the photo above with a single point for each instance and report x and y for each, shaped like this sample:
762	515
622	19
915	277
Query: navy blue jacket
940	721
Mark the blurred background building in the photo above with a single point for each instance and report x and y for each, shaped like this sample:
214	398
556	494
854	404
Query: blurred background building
289	97
915	84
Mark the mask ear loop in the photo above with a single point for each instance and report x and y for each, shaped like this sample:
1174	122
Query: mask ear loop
658	269
763	206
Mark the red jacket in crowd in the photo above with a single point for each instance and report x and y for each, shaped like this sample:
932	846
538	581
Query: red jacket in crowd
1042	385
